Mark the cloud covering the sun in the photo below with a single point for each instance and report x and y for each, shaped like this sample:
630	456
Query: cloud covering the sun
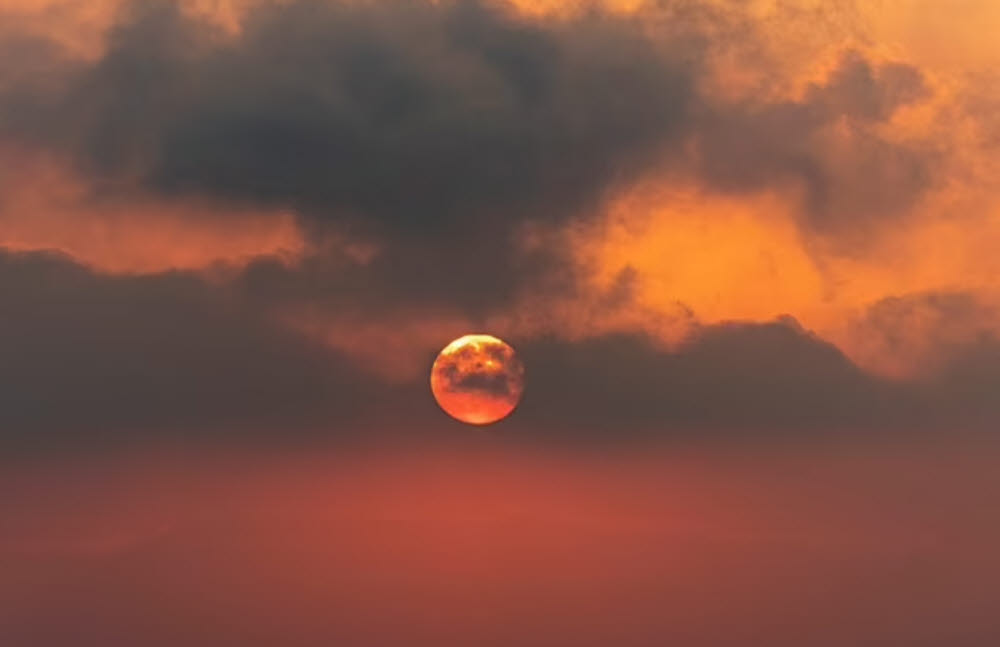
702	214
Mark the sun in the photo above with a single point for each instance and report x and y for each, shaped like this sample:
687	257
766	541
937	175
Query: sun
478	379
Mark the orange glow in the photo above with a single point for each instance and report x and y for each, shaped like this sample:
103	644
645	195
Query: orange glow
477	379
44	206
725	258
747	258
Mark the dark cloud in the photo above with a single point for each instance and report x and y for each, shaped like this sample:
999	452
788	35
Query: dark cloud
420	118
89	358
730	378
483	369
735	378
828	143
457	119
434	129
498	384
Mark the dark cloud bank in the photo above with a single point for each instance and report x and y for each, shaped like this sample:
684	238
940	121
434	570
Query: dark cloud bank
411	119
90	359
772	379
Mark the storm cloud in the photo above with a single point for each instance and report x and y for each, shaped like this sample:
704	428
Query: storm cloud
90	359
410	118
458	120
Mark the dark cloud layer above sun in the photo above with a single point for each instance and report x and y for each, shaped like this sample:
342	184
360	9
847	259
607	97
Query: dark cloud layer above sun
435	130
457	119
410	118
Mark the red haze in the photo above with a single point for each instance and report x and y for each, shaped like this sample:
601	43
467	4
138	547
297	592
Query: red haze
484	546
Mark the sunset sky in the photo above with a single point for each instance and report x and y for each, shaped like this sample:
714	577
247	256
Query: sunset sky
747	250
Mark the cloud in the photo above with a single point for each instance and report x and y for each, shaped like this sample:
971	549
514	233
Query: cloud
422	118
44	205
433	131
772	379
918	334
91	358
730	377
827	142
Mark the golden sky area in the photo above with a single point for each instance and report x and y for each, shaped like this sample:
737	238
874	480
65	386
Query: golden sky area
746	259
45	206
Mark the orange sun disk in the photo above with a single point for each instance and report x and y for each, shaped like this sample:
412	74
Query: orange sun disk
478	379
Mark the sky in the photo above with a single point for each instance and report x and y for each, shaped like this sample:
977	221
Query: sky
745	251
